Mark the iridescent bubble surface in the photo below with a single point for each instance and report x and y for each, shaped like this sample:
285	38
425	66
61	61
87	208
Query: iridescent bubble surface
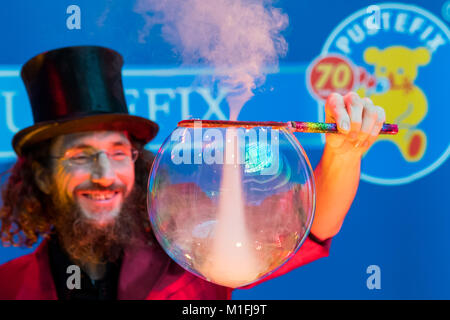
231	204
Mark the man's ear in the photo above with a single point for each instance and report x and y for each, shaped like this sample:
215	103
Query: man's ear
42	177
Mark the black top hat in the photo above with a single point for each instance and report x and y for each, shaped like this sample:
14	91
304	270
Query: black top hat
77	89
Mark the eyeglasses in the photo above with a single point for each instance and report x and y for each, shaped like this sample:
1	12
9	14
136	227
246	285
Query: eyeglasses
87	157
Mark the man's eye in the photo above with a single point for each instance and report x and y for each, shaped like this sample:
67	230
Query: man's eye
118	155
82	158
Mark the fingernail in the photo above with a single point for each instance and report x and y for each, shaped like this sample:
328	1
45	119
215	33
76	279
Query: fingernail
345	125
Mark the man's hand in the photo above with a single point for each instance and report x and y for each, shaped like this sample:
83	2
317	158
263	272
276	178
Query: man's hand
359	122
337	174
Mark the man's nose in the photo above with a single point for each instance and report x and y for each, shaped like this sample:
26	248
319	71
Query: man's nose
103	171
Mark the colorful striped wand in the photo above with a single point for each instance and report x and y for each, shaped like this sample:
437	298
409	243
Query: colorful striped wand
297	126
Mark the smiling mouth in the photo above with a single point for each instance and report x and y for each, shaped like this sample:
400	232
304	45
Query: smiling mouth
99	195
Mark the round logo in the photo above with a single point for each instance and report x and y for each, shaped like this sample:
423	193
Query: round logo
397	55
332	73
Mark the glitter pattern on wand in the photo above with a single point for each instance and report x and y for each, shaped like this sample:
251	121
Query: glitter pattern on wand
321	127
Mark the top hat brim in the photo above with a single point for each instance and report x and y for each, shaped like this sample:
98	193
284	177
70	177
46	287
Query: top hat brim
141	129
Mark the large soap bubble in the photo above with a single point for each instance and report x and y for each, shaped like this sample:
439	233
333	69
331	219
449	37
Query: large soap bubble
231	204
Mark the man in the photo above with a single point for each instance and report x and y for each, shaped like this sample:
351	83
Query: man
80	183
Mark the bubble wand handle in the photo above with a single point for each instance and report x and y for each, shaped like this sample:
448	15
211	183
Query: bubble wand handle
296	126
320	127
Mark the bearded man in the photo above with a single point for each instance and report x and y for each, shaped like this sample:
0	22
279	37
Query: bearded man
80	183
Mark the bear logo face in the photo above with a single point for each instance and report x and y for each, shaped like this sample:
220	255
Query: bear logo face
398	64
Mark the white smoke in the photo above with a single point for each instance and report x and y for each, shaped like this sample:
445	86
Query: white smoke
242	37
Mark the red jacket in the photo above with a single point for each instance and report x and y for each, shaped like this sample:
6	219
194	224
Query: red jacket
145	274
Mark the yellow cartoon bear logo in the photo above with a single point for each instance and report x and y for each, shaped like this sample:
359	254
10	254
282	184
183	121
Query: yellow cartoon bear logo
405	103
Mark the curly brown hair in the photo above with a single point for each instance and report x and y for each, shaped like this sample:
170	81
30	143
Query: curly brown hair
27	213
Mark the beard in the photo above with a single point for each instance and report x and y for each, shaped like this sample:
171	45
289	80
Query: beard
87	242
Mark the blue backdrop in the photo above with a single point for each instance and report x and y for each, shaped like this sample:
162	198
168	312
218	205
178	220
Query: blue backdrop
399	220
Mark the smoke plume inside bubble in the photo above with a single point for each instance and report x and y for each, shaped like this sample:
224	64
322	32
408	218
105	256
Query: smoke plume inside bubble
237	38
